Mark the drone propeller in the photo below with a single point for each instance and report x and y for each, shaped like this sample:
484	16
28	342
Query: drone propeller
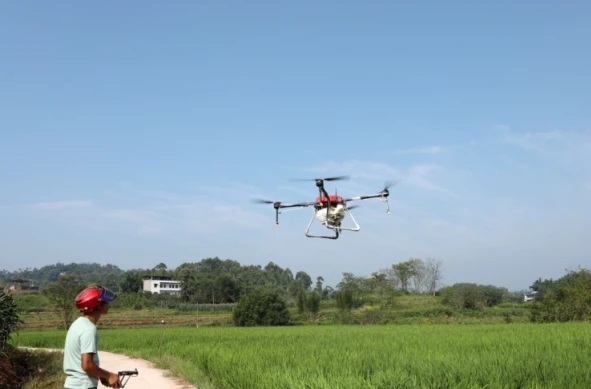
276	205
263	201
336	178
387	185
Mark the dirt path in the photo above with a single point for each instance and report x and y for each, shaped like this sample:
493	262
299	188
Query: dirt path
149	376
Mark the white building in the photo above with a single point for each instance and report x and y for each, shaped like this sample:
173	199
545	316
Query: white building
531	296
160	284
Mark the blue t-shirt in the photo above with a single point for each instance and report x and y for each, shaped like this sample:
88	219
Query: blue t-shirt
82	338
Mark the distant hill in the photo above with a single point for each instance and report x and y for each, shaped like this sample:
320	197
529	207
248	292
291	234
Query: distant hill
88	273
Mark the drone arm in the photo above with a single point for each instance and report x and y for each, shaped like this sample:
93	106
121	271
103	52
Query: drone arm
296	205
365	197
279	206
383	194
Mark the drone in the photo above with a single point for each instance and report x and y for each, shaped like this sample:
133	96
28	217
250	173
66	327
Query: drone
329	209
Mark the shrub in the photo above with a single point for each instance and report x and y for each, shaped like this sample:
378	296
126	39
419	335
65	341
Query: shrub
261	307
9	318
568	299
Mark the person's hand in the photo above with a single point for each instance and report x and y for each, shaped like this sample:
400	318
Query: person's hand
111	382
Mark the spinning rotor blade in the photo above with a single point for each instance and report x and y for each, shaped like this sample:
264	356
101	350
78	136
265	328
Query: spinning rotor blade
387	185
262	201
390	183
337	178
279	204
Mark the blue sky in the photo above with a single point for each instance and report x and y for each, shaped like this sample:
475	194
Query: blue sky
137	133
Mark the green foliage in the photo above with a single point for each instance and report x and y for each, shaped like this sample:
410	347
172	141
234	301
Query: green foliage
303	280
313	302
568	299
217	281
107	275
261	306
353	291
62	294
31	301
541	287
347	299
301	301
131	282
404	271
472	296
132	300
9	318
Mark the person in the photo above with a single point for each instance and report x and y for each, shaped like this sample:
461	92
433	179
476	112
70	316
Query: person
81	360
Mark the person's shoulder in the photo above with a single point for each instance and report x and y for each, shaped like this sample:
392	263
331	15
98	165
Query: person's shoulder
82	324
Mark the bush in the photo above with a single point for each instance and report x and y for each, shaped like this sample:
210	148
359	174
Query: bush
472	296
9	318
261	307
568	299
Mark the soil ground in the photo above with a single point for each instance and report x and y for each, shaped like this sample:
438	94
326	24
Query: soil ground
149	376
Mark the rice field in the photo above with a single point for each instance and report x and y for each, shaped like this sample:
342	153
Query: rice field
499	356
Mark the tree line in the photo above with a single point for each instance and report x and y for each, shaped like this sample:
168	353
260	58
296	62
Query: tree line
217	281
226	282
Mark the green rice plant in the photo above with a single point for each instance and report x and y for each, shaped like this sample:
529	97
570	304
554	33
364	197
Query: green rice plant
454	356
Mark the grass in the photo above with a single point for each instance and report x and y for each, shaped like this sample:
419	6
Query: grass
491	356
405	348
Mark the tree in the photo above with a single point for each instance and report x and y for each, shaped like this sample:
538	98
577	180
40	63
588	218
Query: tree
381	289
261	306
9	318
568	299
282	278
186	274
301	301
464	295
62	295
303	279
161	268
349	291
541	287
313	302
346	299
433	275
131	282
228	290
472	296
319	281
404	272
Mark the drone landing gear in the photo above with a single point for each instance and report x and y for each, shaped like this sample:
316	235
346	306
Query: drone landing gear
335	228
